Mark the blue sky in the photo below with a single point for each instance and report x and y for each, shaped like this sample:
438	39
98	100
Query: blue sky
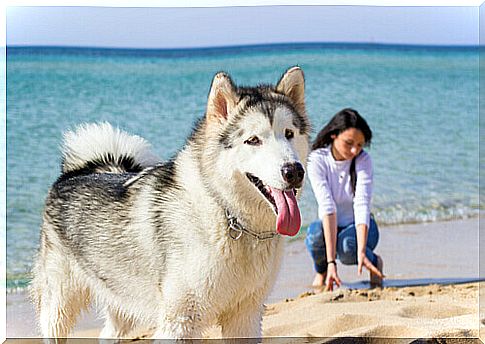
222	26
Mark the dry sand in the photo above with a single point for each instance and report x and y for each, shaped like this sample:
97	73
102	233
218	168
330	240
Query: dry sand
413	312
433	311
423	297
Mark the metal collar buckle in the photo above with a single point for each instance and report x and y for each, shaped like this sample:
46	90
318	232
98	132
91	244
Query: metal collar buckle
236	230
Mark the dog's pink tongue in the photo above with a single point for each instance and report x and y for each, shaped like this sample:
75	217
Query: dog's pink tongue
289	219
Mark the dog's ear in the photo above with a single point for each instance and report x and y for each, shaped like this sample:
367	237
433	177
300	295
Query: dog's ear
292	84
222	98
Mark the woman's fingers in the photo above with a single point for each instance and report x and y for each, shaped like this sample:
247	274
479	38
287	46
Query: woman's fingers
329	284
371	267
337	281
360	262
331	279
359	267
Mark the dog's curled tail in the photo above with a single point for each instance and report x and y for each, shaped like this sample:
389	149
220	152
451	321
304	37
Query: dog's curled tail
100	148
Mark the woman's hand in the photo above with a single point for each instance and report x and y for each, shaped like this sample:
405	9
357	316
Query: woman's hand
362	260
332	277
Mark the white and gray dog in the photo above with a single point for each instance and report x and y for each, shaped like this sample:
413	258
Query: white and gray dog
176	247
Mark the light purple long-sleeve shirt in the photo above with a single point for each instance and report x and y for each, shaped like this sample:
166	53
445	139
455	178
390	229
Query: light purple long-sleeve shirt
330	180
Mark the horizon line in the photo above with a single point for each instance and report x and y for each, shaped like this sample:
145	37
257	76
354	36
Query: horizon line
245	46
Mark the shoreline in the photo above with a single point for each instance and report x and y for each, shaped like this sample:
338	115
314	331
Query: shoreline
299	237
413	255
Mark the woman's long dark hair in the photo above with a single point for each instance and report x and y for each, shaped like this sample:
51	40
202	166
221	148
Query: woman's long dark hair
343	120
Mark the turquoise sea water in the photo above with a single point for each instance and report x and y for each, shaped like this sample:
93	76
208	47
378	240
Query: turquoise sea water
421	102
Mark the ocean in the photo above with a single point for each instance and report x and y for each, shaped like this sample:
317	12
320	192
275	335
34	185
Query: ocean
421	103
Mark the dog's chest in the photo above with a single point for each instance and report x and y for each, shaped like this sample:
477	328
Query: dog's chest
246	269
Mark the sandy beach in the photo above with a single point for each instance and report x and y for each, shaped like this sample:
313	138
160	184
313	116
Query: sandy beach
431	291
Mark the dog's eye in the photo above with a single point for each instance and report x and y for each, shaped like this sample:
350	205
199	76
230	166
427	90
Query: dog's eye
253	141
289	134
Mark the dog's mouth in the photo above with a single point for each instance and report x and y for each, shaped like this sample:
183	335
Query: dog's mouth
283	203
265	190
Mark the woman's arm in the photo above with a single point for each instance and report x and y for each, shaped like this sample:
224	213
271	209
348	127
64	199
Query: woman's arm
330	234
362	260
317	175
362	231
363	189
362	202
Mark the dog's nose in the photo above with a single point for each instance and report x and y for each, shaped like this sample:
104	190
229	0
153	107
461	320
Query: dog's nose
293	174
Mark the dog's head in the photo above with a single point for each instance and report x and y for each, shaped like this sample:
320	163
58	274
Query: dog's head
260	144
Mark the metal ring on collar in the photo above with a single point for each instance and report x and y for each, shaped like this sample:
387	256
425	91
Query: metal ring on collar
236	230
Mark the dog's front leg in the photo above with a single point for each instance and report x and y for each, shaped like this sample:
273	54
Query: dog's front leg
178	326
242	321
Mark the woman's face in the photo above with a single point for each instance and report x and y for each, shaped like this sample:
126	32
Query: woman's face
347	144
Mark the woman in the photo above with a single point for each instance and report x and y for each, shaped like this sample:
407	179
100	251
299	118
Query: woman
340	173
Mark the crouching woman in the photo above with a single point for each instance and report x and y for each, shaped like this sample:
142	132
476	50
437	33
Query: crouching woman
340	172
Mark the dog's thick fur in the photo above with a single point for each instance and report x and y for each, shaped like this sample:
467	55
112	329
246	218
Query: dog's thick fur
149	242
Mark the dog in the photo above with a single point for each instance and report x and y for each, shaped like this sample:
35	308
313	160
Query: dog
178	246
